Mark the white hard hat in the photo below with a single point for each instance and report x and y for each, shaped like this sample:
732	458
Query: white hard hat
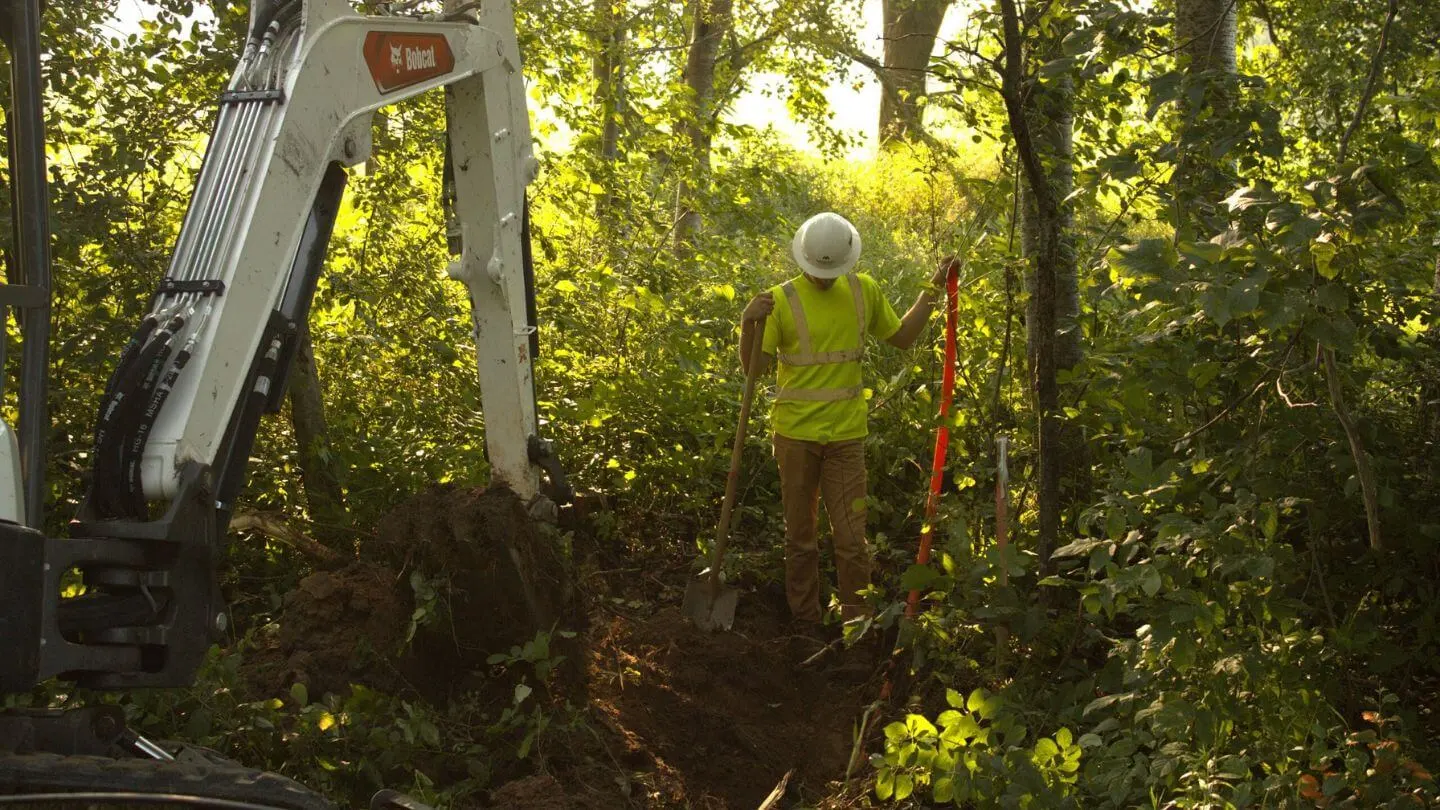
826	246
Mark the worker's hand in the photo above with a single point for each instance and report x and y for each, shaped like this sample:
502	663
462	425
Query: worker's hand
943	271
759	307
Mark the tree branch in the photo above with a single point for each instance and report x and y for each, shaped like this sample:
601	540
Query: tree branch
1011	84
1368	487
1370	83
273	526
1270	27
1245	397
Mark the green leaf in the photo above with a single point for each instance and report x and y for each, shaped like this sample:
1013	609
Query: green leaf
983	704
885	784
904	786
919	726
1115	524
1333	297
1164	89
1150	580
1248	197
1323	254
961	730
918	578
1148	257
566	286
896	731
1057	67
1106	701
1269	521
1202	253
943	790
299	694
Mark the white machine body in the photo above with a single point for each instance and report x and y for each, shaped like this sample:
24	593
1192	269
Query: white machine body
12	489
332	69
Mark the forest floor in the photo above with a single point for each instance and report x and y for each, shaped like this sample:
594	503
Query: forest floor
657	714
718	720
709	720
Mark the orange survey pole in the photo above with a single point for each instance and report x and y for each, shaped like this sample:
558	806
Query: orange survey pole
942	433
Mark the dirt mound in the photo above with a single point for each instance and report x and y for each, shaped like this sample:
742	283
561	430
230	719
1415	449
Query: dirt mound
722	717
498	581
491	581
336	626
531	793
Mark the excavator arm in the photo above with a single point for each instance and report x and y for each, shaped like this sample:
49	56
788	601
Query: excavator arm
178	418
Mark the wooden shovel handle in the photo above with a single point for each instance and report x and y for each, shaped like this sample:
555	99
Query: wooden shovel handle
732	481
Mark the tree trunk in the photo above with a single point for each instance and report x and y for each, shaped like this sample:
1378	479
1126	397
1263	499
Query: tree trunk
1205	39
319	472
609	69
1430	384
1037	135
911	27
1205	34
1051	114
1053	313
712	21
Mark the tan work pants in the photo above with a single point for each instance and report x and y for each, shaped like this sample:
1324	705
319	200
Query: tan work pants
837	471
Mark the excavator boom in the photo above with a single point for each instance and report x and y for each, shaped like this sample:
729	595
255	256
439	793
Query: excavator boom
178	418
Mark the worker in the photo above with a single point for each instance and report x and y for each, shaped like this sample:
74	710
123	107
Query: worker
819	419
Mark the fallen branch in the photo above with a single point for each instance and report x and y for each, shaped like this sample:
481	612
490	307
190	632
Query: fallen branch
778	793
275	528
822	652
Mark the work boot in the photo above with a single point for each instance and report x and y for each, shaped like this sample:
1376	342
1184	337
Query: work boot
814	630
855	661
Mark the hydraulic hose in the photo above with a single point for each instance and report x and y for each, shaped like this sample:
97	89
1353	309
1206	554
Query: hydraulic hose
105	488
122	369
134	488
120	420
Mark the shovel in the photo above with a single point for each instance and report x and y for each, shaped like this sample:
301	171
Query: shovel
708	602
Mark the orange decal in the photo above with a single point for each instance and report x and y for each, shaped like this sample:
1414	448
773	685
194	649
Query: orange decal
399	60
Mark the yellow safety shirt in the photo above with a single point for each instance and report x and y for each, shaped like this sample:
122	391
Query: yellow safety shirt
817	339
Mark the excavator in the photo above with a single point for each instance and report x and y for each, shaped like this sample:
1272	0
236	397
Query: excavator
178	418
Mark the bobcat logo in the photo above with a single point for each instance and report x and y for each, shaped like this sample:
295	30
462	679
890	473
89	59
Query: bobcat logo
399	59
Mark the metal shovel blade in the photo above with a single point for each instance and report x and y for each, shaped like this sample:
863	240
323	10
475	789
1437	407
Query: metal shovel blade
706	607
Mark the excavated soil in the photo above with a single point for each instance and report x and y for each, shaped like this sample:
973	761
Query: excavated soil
338	627
497	583
716	720
531	793
679	718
